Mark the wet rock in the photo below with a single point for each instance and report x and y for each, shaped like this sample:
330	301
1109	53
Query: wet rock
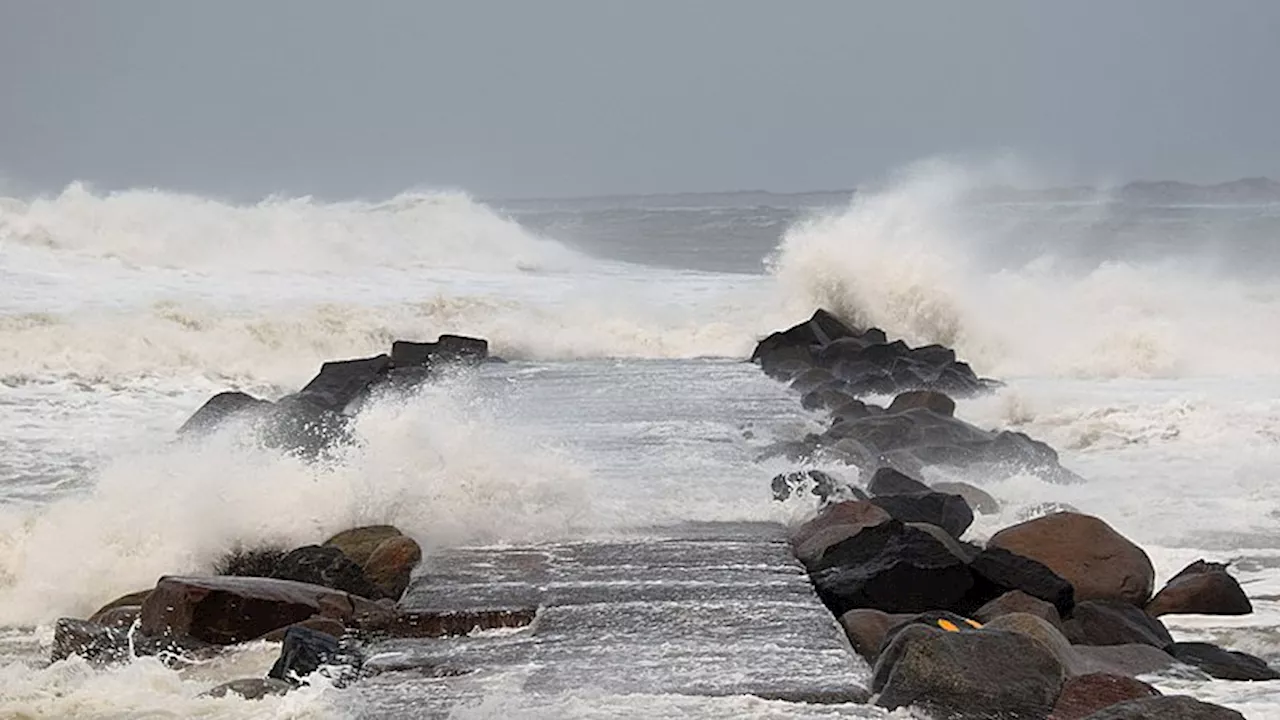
997	571
132	600
359	543
978	499
328	626
1114	622
219	408
102	644
812	379
391	564
224	610
1098	561
817	482
326	566
297	424
949	512
121	616
821	329
924	400
447	349
341	383
1167	707
1222	664
891	567
833	524
866	630
304	651
888	481
1202	588
1044	509
826	397
1086	694
250	562
967	674
1017	601
940	619
250	688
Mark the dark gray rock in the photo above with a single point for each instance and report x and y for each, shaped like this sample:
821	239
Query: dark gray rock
1114	622
341	383
304	651
1168	707
888	481
326	566
221	407
997	571
1222	664
448	349
949	512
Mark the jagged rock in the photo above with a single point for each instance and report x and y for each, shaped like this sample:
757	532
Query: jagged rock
979	500
1202	588
949	512
250	688
103	644
821	329
924	400
997	571
867	628
249	562
1086	694
295	423
223	610
340	383
1222	664
888	481
833	524
113	612
359	543
391	564
891	567
305	651
1016	601
327	566
1114	622
446	349
1167	707
219	408
1098	561
967	674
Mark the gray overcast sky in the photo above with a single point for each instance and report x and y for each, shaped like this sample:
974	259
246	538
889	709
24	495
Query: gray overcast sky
552	98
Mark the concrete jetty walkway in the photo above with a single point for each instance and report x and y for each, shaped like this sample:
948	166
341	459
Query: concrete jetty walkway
709	610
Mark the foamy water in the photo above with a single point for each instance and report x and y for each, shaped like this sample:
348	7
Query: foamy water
626	403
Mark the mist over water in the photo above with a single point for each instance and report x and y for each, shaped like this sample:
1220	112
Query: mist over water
1137	339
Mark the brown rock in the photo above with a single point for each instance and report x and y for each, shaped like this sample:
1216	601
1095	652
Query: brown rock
1098	561
134	599
121	616
833	524
1016	601
391	564
224	610
1086	694
1166	707
923	399
1202	588
980	500
867	628
1113	622
359	543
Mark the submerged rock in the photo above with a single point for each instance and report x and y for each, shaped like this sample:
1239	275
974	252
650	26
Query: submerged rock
250	688
1099	562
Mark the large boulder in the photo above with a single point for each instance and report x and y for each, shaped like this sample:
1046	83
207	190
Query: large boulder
121	611
891	567
391	565
1084	695
1114	622
1222	664
341	383
327	566
1201	588
924	400
819	330
967	674
1043	632
949	512
1098	561
833	524
452	349
359	543
1167	707
224	610
997	571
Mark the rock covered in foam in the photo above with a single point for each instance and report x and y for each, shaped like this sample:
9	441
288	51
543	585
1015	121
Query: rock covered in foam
1100	563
